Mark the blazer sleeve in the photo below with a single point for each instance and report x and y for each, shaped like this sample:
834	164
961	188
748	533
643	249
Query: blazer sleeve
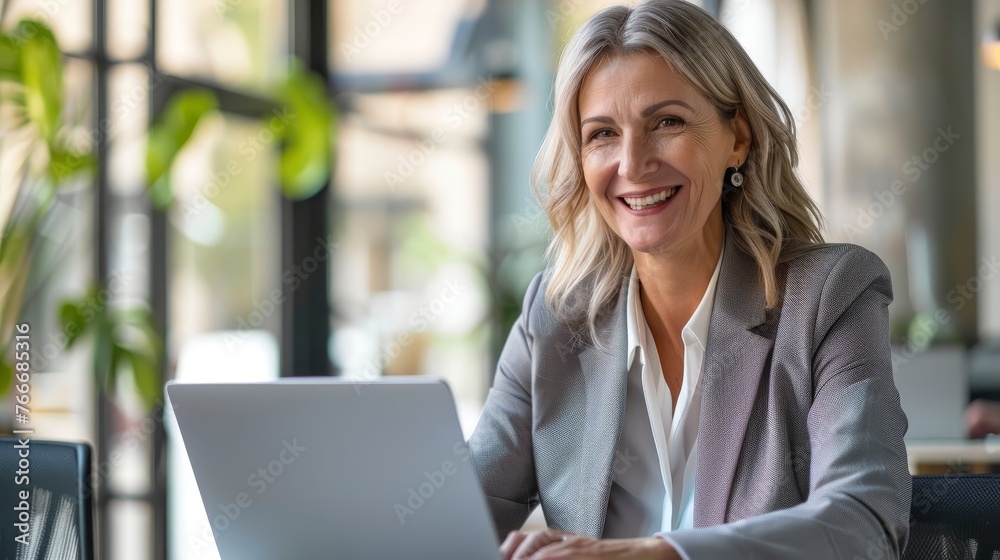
501	445
859	487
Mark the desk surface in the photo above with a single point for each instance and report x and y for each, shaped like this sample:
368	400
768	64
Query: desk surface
983	451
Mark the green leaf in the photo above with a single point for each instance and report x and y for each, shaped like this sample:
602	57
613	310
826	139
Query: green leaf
160	193
15	263
14	244
146	377
6	376
41	74
142	319
306	122
73	322
10	69
64	164
112	351
106	355
168	135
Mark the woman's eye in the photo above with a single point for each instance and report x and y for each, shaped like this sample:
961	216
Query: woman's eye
601	134
670	122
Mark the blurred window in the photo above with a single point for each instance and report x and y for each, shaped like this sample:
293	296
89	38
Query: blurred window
70	20
128	28
394	36
225	239
411	194
775	35
236	43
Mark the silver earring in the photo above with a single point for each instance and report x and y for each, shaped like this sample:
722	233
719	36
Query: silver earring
733	180
737	179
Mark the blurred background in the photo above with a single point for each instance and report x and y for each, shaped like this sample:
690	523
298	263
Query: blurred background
224	190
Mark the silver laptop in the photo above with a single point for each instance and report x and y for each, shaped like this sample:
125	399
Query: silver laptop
316	468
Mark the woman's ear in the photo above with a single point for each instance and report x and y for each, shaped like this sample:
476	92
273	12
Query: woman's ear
741	132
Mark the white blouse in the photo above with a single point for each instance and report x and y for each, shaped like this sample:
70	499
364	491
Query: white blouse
654	467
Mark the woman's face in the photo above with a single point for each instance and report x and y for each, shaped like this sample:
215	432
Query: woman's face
654	153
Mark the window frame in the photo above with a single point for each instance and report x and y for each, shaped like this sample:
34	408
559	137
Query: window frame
305	317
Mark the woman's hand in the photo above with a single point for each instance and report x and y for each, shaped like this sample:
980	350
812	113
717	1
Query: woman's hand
982	418
556	545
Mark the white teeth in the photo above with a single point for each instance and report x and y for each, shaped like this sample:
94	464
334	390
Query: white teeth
642	202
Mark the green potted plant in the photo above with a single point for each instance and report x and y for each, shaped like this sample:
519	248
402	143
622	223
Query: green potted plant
31	100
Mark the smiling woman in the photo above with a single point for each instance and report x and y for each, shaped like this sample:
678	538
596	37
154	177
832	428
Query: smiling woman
636	112
696	374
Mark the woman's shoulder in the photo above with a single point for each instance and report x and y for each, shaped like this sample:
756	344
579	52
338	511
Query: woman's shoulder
835	273
536	305
827	258
571	322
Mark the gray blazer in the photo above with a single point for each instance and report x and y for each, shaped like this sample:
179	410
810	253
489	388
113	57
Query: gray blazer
800	445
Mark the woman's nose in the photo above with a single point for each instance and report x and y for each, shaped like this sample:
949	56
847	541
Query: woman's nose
636	160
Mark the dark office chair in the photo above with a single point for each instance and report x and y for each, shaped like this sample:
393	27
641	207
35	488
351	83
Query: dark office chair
57	479
954	517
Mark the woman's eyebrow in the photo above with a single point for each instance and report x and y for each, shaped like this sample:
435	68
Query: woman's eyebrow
645	112
657	106
605	120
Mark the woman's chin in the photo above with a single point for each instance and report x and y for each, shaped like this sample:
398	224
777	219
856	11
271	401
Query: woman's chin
649	246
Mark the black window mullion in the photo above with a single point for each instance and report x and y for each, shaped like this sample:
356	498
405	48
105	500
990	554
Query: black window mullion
101	266
305	317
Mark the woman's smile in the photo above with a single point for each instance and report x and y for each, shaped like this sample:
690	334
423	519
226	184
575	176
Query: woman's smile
649	202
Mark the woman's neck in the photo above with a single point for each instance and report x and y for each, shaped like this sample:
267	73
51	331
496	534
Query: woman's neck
672	284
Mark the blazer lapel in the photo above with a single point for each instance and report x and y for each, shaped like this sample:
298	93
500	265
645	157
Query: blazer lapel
606	386
735	358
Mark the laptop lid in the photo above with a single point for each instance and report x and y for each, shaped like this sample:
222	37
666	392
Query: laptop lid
933	390
314	468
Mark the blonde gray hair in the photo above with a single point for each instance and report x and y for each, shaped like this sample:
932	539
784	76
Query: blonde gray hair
768	215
